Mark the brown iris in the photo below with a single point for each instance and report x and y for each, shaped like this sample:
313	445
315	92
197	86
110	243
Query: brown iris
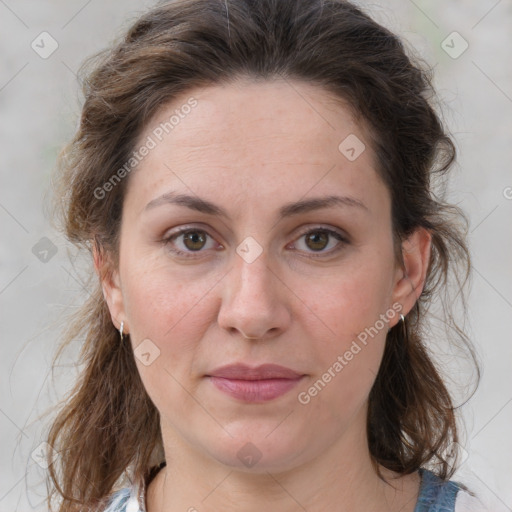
194	240
317	240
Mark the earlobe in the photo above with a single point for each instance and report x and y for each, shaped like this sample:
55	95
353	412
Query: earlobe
416	251
110	284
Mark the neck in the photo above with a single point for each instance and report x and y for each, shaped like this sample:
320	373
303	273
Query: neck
342	478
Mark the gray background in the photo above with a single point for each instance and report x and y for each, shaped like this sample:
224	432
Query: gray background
39	107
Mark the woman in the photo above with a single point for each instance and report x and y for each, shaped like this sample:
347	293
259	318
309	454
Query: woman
254	182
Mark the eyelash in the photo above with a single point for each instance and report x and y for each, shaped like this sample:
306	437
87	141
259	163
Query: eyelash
190	254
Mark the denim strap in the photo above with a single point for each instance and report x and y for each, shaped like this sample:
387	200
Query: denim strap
435	494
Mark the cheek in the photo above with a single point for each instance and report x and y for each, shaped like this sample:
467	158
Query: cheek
171	309
356	308
352	298
347	362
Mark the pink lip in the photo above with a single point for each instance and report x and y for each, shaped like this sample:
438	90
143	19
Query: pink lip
259	384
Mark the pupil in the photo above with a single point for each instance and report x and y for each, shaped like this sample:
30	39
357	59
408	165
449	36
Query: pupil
195	240
318	241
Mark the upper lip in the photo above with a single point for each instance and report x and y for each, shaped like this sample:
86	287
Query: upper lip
241	371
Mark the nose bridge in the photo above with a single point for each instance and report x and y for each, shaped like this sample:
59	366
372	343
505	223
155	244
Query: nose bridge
254	276
251	268
251	301
253	283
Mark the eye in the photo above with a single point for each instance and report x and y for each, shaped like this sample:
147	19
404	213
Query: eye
320	240
190	242
187	241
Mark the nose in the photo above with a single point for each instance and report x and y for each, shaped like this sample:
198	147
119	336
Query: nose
254	300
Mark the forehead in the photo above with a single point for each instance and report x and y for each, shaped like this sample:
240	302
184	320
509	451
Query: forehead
254	138
229	115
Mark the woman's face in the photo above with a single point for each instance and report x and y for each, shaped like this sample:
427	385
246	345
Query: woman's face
287	240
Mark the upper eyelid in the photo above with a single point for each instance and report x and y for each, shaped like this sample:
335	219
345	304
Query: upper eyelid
319	227
314	227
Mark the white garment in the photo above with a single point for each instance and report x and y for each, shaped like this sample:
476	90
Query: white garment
467	503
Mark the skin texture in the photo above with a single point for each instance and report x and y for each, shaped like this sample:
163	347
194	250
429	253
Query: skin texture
251	148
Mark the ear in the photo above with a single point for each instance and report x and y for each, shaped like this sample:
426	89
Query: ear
110	283
410	278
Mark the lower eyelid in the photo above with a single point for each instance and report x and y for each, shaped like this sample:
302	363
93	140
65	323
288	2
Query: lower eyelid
337	248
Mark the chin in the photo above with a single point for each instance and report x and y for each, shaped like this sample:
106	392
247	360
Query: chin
256	451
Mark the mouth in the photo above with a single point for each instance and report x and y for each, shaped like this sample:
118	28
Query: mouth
254	390
259	384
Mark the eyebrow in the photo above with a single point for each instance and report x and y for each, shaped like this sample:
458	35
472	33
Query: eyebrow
288	210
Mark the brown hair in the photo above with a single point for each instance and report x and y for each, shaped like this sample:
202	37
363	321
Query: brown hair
108	424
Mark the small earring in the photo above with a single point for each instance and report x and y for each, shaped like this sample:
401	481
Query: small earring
404	328
402	319
121	331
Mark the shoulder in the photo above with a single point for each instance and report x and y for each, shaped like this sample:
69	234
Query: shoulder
467	502
124	500
437	495
132	498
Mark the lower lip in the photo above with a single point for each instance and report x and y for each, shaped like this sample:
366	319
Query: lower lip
254	390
